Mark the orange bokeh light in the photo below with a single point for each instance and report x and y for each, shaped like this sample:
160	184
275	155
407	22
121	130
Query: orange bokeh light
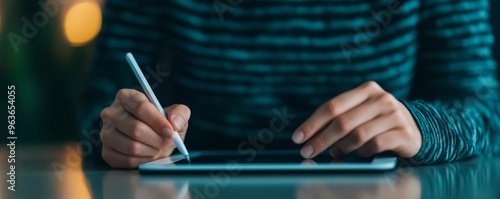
82	23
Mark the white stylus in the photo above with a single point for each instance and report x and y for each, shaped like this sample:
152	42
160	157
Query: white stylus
149	92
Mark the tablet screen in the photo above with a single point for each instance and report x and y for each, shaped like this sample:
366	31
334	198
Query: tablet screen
287	161
286	157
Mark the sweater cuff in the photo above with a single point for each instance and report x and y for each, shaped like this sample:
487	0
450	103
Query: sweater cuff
426	118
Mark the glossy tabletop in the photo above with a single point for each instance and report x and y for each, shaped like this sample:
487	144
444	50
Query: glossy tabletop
57	172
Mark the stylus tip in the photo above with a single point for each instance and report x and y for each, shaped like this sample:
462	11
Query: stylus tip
188	159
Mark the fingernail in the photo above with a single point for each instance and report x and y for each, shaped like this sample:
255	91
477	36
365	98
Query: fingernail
170	144
298	136
178	122
165	132
307	151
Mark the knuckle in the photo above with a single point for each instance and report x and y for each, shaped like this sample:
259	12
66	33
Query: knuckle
141	109
342	124
372	85
107	124
120	113
406	132
137	131
103	136
321	143
105	113
398	118
394	114
331	108
359	136
122	93
135	149
388	100
106	135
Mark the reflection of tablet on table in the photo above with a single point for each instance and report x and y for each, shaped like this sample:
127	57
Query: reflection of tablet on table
282	161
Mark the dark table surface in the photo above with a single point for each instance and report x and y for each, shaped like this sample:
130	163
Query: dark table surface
57	172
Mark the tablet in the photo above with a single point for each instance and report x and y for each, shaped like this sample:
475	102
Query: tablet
273	161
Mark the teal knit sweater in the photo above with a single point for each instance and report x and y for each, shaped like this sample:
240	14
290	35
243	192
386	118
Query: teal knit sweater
239	66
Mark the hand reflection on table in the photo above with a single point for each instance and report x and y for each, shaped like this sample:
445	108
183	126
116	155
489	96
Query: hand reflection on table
121	184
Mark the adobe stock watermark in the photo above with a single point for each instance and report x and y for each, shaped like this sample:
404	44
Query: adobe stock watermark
72	160
364	35
40	19
222	7
249	147
486	89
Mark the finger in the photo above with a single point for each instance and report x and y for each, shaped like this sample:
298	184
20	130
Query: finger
178	115
127	146
138	130
316	145
362	134
120	161
343	125
331	109
387	141
138	105
107	124
166	149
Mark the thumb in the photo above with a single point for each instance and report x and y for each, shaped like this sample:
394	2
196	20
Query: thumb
178	115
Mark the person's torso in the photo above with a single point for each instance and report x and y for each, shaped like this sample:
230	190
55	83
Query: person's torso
241	68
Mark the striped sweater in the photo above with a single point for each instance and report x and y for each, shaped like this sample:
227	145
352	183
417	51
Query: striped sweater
245	66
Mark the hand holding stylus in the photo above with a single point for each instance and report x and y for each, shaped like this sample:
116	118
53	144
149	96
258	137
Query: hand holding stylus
136	128
135	132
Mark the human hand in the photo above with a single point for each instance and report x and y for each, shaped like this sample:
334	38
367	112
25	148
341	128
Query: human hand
135	132
367	120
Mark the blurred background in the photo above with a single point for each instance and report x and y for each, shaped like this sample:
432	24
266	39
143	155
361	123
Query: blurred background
45	52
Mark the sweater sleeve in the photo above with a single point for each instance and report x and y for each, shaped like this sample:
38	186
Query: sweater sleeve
131	26
455	98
